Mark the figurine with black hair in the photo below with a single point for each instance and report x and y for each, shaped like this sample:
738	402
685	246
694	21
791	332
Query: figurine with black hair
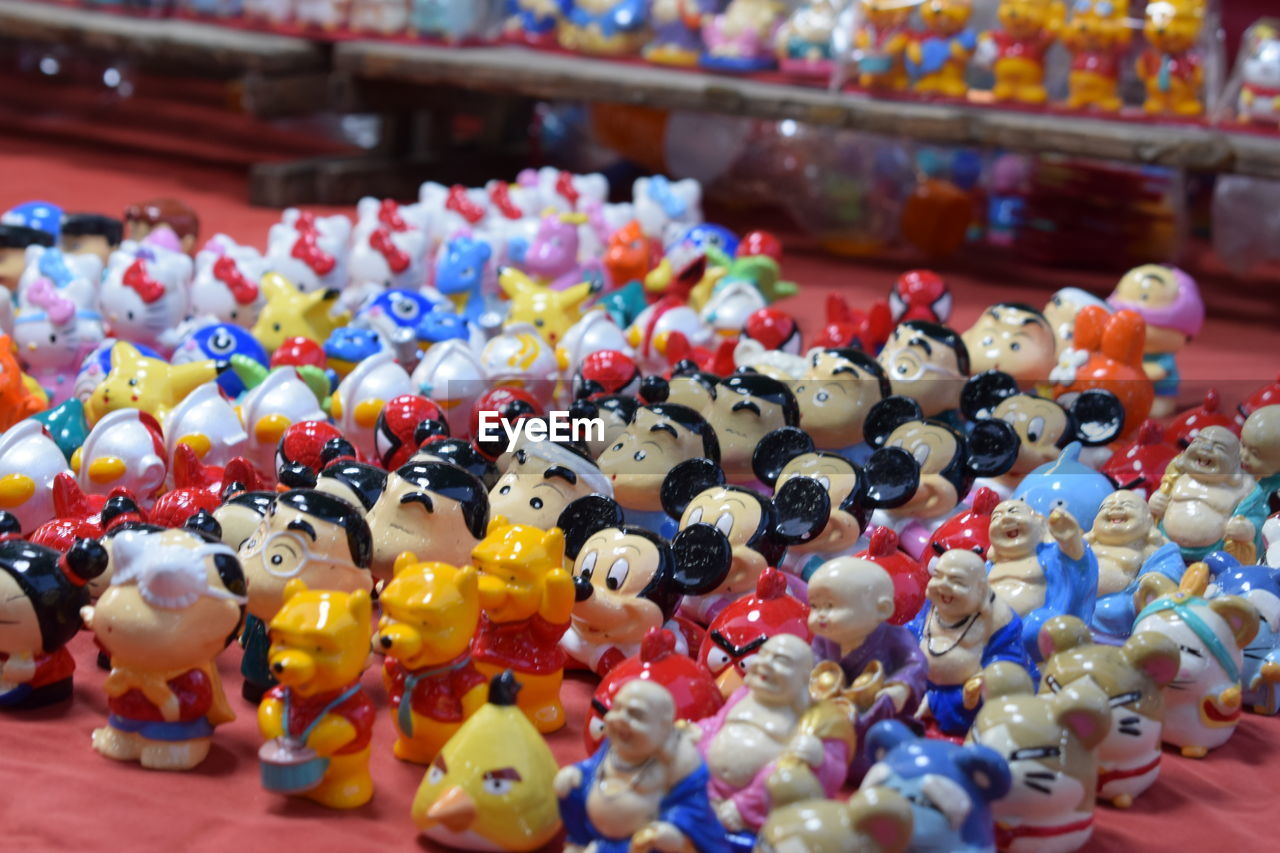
687	385
459	452
176	600
927	362
1013	338
41	593
358	483
541	479
627	581
659	437
240	515
739	528
305	534
838	389
1094	418
950	461
615	411
747	407
91	233
431	509
889	478
14	240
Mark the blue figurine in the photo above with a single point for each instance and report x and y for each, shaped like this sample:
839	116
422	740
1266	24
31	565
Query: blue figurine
611	27
1260	586
599	802
39	215
451	20
708	235
460	272
920	768
1068	483
1114	614
347	346
442	325
220	341
527	23
395	316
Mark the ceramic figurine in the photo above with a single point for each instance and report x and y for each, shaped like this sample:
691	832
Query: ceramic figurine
1171	65
964	627
889	478
405	423
1140	465
20	396
125	449
1028	29
75	277
850	601
380	17
690	685
551	312
880	42
772	719
90	233
610	27
741	529
281	399
876	820
1260	449
974	776
1206	501
41	593
534	22
838	388
384	258
1041	567
310	251
1260	586
1050	742
1094	418
143	297
847	327
1123	538
804	42
358	483
1169	301
359	399
677	40
463	268
305	534
208	424
1015	339
226	279
14	241
430	508
659	201
739	630
747	407
1259	99
938	56
303	451
1097	36
627	582
552	255
29	462
146	384
221	342
1180	430
430	612
927	362
460	453
318	722
607	804
1061	311
950	462
742	36
526	600
1065	483
240	515
175	601
1131	676
155	217
542	479
289	312
491	787
53	337
1204	703
969	530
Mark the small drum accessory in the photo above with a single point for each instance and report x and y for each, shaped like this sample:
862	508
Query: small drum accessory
288	765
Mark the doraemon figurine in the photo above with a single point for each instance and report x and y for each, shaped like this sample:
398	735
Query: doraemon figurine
41	593
220	341
346	347
1066	483
394	315
951	788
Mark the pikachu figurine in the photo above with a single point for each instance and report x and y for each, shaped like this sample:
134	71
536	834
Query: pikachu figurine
939	56
1028	28
1097	35
1170	67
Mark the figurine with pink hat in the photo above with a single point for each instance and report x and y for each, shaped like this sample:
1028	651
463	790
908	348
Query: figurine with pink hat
1169	300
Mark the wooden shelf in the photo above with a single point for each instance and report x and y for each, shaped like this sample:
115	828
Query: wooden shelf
553	75
189	46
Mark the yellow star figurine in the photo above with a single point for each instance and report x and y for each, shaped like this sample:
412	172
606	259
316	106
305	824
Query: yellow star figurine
149	384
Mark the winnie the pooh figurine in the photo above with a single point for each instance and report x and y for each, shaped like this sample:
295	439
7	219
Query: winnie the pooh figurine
1027	30
1171	66
526	598
1097	37
939	56
430	612
317	721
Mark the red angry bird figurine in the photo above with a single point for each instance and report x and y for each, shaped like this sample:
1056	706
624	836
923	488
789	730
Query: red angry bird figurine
909	577
1106	353
968	531
606	372
775	330
1139	465
692	688
396	433
738	632
1267	395
920	295
1187	425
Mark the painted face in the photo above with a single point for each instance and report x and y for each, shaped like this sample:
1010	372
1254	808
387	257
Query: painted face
844	604
933	447
291	544
1150	285
535	491
409	518
1017	342
922	368
741	421
642	456
1260	442
736	515
19	628
690	391
958	586
638	722
1124	518
619	567
1213	456
238	523
839	479
1015	529
1039	424
834	398
1040	760
1061	312
779	673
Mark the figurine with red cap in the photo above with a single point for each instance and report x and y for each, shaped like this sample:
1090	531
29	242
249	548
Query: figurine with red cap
396	435
908	576
606	372
299	454
737	633
920	295
1140	465
1187	425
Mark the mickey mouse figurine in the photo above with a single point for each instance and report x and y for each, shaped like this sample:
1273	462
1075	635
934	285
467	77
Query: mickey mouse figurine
627	581
949	461
888	479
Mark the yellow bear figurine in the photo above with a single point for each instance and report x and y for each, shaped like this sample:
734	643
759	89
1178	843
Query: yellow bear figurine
882	37
430	612
1027	30
938	58
290	313
149	384
1170	66
318	721
526	597
1098	37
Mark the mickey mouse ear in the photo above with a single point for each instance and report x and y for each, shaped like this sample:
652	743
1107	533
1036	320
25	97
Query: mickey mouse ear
803	507
586	516
887	415
686	481
993	448
1099	417
892	476
982	393
776	449
703	557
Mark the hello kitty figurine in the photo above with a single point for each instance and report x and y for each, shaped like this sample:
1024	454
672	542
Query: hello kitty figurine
53	337
310	250
385	259
143	298
1259	100
225	285
660	203
73	276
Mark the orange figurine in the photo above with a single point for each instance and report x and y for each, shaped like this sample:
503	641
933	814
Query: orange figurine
19	396
1107	353
1097	36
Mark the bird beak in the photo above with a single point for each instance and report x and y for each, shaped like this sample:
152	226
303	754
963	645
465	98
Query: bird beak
455	809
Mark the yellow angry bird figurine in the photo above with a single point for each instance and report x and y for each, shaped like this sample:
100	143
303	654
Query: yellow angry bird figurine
491	786
526	599
290	313
148	384
549	311
1098	37
430	612
1170	67
317	721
